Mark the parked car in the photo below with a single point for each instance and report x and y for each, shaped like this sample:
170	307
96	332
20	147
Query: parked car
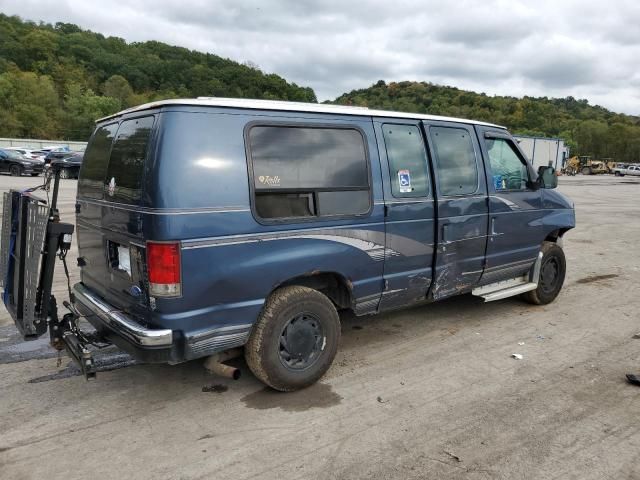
209	224
38	155
55	148
70	165
618	167
16	164
57	155
633	169
27	152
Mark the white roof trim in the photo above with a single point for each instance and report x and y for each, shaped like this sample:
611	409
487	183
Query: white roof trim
291	107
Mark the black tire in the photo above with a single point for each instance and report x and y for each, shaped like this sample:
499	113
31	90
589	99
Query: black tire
552	272
35	174
64	173
15	170
586	171
617	174
315	327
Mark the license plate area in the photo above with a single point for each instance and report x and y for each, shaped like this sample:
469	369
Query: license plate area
119	257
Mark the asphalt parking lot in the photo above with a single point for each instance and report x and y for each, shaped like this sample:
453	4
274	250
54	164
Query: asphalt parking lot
429	392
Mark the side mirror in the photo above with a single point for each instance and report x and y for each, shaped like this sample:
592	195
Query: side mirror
547	177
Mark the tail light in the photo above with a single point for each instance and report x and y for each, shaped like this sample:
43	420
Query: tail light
163	269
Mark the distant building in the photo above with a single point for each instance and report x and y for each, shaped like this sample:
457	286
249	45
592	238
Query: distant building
544	151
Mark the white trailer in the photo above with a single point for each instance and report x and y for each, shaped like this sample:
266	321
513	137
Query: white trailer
544	151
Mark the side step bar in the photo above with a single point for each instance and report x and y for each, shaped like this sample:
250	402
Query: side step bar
512	287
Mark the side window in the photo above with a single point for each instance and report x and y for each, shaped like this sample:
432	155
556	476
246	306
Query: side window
309	171
455	160
126	166
407	160
508	170
96	160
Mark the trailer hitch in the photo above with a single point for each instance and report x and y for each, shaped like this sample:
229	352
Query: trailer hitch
66	335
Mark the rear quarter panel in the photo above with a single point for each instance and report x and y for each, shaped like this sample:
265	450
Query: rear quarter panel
230	261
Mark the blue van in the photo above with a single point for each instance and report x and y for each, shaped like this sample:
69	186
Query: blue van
210	224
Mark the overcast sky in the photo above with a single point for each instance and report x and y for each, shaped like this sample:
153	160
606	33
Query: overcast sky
587	49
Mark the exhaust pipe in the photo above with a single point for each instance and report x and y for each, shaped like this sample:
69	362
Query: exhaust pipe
214	364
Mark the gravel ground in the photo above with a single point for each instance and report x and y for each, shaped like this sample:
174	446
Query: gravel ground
428	392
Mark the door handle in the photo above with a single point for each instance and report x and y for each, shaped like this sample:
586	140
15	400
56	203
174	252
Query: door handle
493	232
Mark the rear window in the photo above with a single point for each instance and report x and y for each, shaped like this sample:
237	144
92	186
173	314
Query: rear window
126	166
96	159
113	165
309	171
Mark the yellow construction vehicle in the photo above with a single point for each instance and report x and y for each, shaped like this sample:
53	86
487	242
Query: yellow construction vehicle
587	166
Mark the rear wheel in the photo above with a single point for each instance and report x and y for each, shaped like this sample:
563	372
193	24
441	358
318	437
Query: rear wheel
552	272
586	171
295	339
15	170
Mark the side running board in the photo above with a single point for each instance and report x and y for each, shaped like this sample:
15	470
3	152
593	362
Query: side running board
511	287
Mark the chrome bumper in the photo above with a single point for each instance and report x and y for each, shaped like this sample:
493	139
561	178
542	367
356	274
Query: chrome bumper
118	322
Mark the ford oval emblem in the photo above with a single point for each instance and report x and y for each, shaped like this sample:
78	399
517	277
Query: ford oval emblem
135	291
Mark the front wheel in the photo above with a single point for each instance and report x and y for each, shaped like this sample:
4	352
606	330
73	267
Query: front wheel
617	174
586	171
552	272
15	171
295	339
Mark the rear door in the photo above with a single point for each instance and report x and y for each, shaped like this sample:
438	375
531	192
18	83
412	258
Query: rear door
462	210
109	214
515	208
410	212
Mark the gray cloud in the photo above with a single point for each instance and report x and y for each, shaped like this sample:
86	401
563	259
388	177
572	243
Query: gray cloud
586	49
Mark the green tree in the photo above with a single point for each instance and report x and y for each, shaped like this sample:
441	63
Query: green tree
30	105
82	108
117	87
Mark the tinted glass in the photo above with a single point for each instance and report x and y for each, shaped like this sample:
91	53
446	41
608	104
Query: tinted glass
407	160
308	158
126	167
455	159
354	202
285	205
96	160
509	173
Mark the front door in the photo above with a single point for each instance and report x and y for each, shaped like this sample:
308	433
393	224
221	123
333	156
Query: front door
515	208
462	209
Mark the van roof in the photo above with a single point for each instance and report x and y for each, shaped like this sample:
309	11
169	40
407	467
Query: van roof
290	107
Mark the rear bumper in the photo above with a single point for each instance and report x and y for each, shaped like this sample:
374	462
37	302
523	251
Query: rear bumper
150	345
155	345
33	168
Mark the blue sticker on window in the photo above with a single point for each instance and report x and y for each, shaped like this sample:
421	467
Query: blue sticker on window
404	180
497	182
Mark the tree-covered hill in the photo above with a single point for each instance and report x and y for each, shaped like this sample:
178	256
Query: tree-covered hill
55	80
590	130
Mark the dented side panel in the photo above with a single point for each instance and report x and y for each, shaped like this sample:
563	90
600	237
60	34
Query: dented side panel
410	230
